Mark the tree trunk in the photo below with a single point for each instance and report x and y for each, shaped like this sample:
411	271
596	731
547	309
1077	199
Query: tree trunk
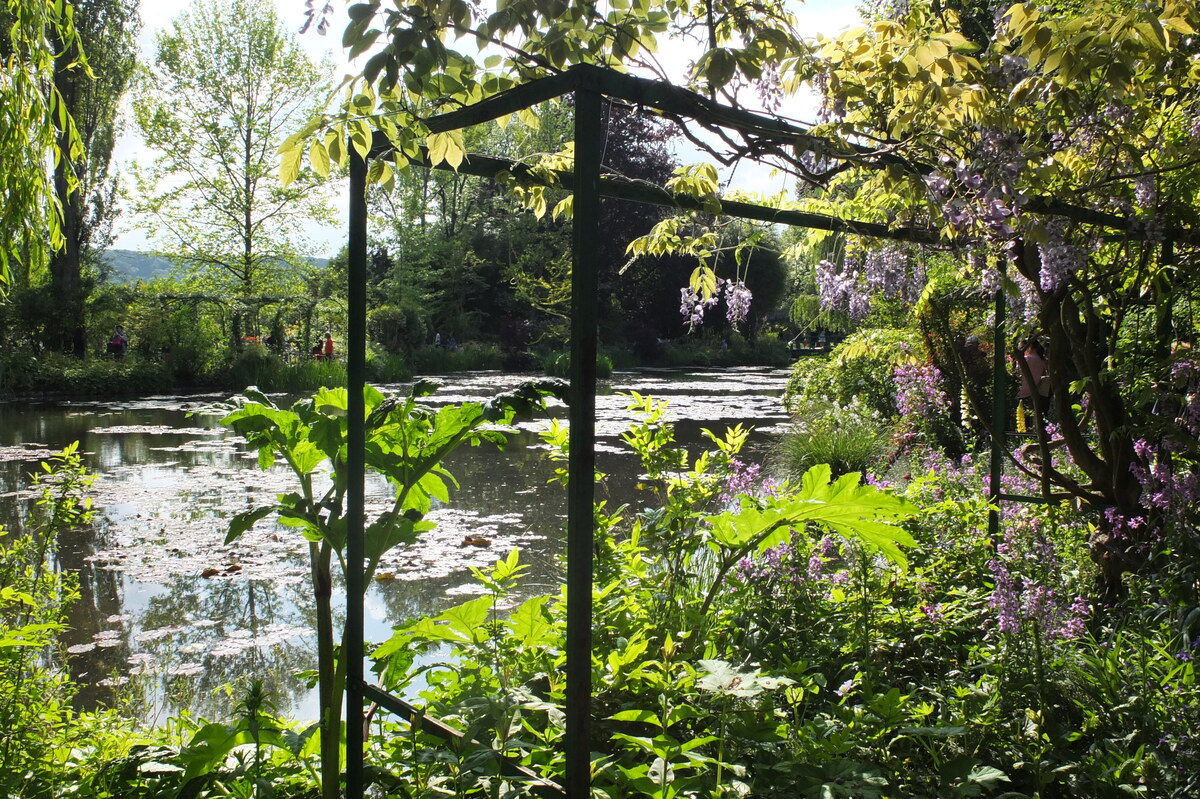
67	332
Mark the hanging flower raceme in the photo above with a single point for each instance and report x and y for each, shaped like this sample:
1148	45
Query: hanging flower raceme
919	393
693	306
737	303
1060	257
885	269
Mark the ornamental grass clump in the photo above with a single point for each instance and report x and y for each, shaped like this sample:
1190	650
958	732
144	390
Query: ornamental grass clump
850	438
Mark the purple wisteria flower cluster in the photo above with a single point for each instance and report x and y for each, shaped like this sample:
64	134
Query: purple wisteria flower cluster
737	303
979	195
693	306
1060	257
838	288
887	269
832	109
769	88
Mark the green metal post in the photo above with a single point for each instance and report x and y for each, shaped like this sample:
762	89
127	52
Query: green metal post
581	487
356	361
999	406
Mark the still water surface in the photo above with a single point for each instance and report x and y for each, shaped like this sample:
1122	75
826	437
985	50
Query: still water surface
169	615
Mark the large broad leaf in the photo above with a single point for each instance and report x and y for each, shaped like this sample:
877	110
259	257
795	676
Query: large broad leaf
641	715
465	620
740	528
855	511
458	625
213	743
328	434
306	457
331	401
254	417
530	623
723	678
433	485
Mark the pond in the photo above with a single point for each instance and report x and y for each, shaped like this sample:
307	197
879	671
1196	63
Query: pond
169	616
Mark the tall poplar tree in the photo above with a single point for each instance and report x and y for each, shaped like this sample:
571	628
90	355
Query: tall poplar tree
106	31
228	85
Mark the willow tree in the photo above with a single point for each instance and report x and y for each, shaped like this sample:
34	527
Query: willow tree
31	112
228	85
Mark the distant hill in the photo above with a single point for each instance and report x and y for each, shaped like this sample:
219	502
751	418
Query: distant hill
130	265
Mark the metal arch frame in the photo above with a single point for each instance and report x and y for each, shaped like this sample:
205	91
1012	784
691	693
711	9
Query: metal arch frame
588	84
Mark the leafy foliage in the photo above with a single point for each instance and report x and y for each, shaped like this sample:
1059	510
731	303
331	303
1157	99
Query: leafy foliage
406	443
674	706
30	134
860	368
35	692
213	199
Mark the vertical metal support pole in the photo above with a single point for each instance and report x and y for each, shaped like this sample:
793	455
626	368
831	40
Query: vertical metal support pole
582	457
999	406
356	361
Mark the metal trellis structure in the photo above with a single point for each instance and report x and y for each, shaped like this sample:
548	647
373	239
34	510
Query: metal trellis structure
588	85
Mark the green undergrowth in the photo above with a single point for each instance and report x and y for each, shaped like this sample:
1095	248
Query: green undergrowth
815	637
137	375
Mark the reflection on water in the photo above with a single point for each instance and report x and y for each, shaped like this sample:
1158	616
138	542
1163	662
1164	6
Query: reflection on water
169	615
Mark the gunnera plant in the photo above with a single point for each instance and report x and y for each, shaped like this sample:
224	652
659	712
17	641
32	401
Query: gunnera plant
850	438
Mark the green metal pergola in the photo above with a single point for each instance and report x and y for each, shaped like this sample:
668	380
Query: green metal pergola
588	85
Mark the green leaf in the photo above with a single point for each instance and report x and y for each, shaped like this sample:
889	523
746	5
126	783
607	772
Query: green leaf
435	486
703	281
855	511
643	716
717	67
289	167
530	623
242	522
465	620
390	530
306	457
318	156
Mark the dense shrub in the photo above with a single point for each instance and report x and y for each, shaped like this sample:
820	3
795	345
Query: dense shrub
730	349
465	358
861	366
131	375
386	367
558	364
397	328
